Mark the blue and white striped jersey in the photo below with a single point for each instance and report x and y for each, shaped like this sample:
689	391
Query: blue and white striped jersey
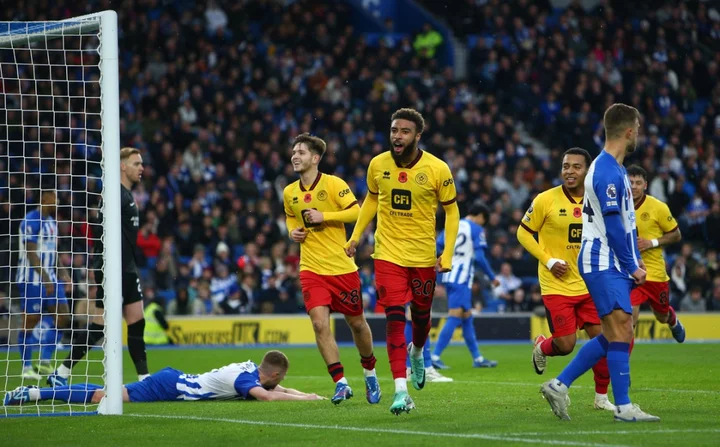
41	231
229	382
470	248
607	193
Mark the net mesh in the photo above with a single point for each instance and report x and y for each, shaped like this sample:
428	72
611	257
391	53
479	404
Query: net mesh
50	141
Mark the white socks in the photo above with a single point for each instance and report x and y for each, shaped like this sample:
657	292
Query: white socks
416	351
369	372
142	377
599	396
560	386
401	384
34	394
480	359
63	371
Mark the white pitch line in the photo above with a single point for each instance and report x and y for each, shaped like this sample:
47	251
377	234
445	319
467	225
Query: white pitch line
500	438
488	382
618	432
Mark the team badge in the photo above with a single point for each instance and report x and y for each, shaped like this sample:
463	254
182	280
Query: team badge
322	195
645	217
402	177
308	198
421	178
611	191
577	212
530	210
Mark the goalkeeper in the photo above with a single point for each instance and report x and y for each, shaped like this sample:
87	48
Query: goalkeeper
131	169
244	381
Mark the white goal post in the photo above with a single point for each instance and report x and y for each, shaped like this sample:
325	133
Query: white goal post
33	53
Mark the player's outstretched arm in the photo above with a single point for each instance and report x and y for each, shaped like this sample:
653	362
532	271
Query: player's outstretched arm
348	215
452	223
282	389
367	213
260	393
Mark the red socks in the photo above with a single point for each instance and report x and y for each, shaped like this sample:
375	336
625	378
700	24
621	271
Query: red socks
602	376
395	337
368	362
336	371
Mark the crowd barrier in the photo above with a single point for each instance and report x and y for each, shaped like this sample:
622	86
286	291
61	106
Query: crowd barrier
297	330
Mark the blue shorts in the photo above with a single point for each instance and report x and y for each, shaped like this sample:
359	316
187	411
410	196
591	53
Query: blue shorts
35	300
159	387
459	296
609	290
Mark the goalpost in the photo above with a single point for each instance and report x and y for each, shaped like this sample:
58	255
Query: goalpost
60	131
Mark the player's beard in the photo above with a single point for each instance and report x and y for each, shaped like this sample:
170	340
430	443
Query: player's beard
403	156
631	146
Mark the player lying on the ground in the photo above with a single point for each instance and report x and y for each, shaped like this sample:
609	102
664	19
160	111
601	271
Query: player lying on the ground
656	228
246	380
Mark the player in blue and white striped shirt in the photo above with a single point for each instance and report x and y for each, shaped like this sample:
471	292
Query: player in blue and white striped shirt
36	276
470	248
609	263
244	381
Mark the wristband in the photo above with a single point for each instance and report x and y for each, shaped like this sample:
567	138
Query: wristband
552	262
655	243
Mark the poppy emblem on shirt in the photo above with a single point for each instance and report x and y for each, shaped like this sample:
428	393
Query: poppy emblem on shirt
402	177
577	212
308	198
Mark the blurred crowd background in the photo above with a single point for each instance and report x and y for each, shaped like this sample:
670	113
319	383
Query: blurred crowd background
213	92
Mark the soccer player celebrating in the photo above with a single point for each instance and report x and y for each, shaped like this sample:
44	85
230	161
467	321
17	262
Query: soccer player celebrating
609	263
556	217
469	250
656	228
404	187
131	169
246	381
317	206
36	276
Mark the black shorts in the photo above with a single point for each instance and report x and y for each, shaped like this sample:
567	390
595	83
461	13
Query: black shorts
131	289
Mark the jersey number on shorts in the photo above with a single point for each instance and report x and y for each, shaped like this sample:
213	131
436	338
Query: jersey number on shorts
425	289
353	297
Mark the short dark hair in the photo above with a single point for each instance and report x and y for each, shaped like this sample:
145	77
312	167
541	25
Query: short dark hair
314	144
579	151
618	118
410	115
479	209
275	360
637	171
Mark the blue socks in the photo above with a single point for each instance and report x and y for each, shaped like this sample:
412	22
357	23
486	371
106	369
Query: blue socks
26	342
48	344
468	330
586	358
446	334
74	394
618	360
427	359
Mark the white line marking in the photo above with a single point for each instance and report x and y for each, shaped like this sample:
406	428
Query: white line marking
489	382
617	432
501	438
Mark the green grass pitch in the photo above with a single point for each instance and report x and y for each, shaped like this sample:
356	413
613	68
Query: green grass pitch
501	406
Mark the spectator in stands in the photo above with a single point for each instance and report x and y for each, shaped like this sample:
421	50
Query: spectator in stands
427	42
694	301
508	283
183	305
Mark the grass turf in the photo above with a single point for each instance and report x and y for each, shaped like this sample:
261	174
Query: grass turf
500	406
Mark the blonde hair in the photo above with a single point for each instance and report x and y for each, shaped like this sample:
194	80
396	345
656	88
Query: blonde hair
126	152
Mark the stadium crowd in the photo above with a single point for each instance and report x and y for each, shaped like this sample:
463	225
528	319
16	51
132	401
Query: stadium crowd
212	94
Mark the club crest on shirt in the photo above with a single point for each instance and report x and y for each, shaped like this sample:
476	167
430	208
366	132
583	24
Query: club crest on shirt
322	195
530	210
645	217
421	178
611	191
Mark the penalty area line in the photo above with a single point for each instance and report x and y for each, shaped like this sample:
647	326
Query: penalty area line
618	432
538	385
501	438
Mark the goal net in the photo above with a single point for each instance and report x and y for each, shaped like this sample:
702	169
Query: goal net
59	154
